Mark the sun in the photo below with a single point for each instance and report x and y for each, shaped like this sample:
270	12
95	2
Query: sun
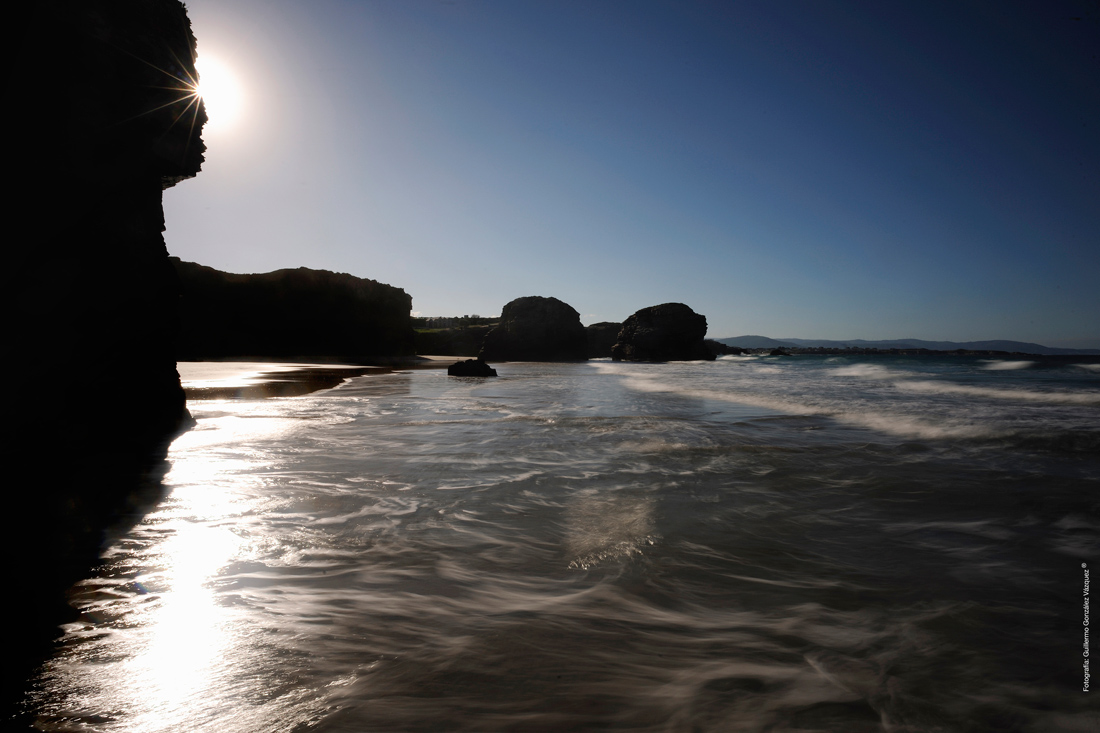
220	92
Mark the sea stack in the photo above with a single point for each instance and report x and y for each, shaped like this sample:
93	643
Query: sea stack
666	332
537	329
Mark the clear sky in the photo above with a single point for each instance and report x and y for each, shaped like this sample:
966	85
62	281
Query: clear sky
792	169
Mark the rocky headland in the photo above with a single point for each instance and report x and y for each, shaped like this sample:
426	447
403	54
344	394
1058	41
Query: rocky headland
298	314
535	328
720	349
666	332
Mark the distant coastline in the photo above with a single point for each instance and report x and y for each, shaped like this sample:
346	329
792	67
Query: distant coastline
999	347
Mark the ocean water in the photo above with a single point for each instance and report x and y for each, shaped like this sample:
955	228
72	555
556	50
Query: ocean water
753	544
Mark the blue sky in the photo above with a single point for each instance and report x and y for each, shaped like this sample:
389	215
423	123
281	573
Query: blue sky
817	170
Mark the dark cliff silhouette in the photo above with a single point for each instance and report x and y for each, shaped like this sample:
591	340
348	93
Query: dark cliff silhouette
105	117
290	314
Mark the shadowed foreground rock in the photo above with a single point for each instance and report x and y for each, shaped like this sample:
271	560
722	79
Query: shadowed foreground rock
106	119
667	332
537	329
471	368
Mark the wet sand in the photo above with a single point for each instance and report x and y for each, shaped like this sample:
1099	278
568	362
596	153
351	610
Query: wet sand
251	380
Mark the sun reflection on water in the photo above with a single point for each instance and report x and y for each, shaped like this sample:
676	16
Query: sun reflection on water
187	630
161	640
205	478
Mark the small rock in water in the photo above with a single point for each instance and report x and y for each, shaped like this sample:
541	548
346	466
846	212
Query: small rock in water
471	368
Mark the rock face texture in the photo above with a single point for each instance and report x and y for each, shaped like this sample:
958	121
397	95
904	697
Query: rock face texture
537	329
106	119
290	314
667	332
601	337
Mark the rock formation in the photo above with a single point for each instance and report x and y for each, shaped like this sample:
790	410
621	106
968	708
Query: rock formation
290	314
471	368
601	337
668	332
105	118
720	349
537	329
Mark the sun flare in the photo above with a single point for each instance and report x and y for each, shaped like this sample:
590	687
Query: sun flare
220	91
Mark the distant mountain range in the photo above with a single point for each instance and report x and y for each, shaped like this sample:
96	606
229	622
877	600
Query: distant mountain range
763	342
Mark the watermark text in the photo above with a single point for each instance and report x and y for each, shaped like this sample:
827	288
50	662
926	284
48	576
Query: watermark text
1085	625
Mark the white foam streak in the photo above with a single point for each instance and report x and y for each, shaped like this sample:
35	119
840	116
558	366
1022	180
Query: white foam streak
1017	395
913	427
868	371
900	425
1000	366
